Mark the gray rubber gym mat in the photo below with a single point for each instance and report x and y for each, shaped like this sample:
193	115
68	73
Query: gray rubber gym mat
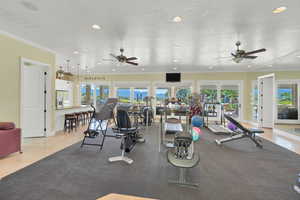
235	171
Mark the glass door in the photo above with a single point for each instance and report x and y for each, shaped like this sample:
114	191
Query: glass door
123	94
209	93
161	95
102	93
183	94
287	100
230	99
254	101
139	95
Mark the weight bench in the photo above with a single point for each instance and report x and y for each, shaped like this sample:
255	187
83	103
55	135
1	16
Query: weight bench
183	157
241	132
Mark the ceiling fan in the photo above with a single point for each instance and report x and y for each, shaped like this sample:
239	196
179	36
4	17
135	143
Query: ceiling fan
123	59
239	54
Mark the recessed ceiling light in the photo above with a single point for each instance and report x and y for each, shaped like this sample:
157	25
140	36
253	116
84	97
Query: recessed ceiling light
98	63
177	19
270	65
211	67
175	60
96	27
175	68
113	70
76	52
143	69
279	10
249	66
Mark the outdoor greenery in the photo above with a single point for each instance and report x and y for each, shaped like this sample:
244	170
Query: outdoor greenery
230	99
210	95
183	94
285	98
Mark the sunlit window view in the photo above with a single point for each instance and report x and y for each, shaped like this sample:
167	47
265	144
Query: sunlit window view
183	94
209	93
139	95
230	99
123	94
86	94
287	101
161	95
102	93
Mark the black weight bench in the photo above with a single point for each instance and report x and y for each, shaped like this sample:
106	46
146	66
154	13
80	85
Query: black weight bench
242	132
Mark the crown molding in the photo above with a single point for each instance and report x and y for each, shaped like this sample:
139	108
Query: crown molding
5	33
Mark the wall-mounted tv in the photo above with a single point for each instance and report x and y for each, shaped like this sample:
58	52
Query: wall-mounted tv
173	77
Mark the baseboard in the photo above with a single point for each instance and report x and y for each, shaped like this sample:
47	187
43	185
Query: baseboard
286	134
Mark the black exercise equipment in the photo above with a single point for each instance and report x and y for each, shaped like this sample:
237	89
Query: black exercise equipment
99	122
129	135
215	110
241	132
183	157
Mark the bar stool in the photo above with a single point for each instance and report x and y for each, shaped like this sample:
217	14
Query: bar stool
85	117
78	118
90	114
70	122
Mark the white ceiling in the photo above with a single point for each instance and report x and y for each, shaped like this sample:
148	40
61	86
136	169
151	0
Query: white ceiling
145	29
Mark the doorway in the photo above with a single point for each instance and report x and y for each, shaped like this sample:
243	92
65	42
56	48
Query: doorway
35	82
266	100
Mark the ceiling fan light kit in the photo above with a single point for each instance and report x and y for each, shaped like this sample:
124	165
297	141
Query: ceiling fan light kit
123	59
240	55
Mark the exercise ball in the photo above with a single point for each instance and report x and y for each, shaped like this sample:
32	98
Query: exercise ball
197	121
196	133
231	127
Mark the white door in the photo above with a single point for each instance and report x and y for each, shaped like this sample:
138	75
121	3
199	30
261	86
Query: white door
34	101
266	101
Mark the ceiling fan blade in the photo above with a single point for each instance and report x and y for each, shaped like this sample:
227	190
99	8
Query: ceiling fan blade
256	51
107	59
116	57
132	63
132	58
250	57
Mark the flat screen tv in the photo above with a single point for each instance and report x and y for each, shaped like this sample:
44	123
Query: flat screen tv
173	77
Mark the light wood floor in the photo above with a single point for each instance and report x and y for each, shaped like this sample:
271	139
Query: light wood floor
35	149
38	148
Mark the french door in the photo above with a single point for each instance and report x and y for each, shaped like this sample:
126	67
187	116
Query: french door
228	93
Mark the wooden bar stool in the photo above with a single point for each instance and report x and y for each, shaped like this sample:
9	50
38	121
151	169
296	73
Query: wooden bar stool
70	122
78	118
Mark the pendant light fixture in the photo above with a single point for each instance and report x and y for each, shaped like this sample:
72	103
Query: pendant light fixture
60	73
68	71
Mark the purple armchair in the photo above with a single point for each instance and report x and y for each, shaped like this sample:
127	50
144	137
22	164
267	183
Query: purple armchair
10	139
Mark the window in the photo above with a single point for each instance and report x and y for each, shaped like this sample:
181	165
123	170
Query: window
102	93
230	99
124	95
139	95
209	93
287	101
162	94
86	94
183	94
